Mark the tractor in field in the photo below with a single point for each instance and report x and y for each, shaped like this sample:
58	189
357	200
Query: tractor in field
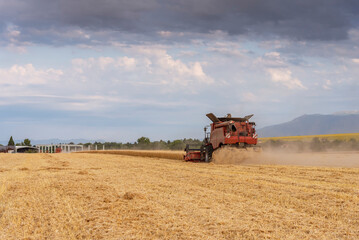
225	131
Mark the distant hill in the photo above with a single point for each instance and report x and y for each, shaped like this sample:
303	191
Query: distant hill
314	124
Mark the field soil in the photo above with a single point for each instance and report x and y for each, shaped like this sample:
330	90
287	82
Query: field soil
107	196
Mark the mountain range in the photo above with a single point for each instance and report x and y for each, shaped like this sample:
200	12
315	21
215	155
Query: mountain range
314	124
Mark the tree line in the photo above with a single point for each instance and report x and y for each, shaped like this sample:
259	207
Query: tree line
11	142
144	143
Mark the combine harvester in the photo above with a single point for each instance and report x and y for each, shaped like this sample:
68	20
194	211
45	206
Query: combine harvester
226	131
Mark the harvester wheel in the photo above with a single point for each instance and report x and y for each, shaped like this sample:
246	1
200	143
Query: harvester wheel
208	153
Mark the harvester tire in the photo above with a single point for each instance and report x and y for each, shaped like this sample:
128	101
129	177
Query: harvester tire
208	153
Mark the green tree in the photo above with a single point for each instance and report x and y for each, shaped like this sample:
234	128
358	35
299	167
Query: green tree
143	140
27	142
11	142
128	145
177	145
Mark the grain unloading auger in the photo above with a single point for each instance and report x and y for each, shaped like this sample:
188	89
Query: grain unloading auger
226	131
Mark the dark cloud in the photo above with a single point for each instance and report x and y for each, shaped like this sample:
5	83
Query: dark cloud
294	19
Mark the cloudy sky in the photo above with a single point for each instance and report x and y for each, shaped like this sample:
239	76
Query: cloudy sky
118	70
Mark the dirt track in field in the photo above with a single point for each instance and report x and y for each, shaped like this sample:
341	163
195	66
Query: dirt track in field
103	196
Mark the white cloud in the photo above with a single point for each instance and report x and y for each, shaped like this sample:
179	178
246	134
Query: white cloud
188	53
226	48
274	44
178	72
151	66
168	34
82	65
70	33
103	62
278	69
355	60
169	70
127	63
327	85
284	77
12	35
250	97
271	59
28	75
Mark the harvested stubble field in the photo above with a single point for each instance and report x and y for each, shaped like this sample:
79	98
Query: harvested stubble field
106	196
177	155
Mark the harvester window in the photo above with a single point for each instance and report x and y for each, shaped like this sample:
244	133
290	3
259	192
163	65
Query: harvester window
233	128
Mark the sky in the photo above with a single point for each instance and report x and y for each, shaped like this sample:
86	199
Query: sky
119	70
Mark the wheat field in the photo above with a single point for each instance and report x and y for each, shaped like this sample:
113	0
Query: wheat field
342	136
176	155
106	196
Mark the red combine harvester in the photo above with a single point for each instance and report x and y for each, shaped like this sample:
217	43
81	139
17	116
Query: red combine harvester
226	131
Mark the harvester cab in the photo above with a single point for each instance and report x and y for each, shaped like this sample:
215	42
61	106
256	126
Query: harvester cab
226	131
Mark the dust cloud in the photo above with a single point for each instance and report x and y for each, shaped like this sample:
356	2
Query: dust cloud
249	157
234	156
